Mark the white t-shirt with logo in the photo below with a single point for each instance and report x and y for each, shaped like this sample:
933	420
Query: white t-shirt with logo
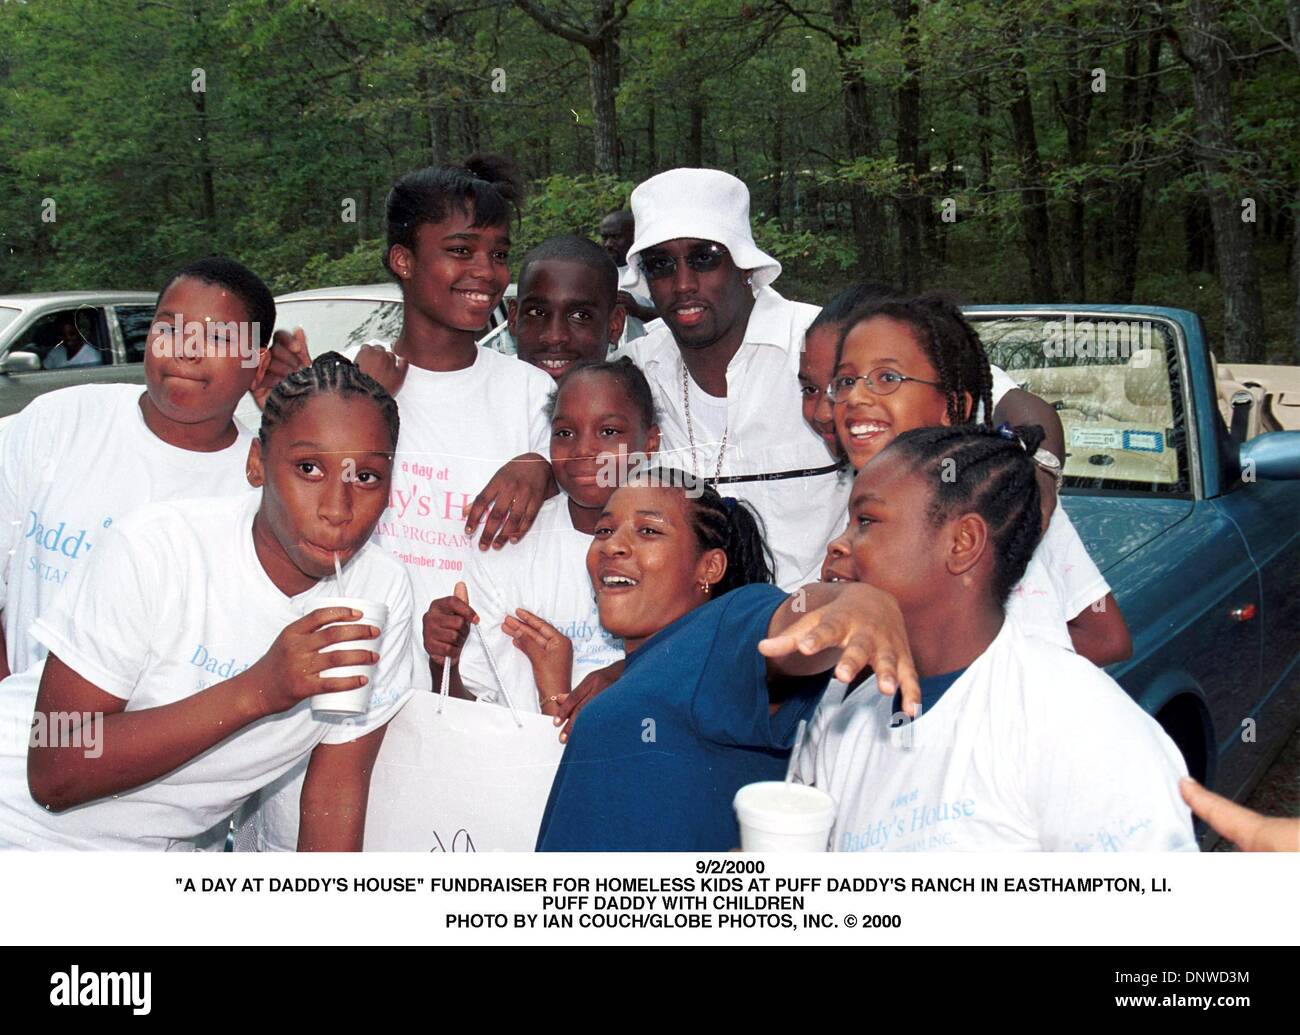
545	573
773	460
457	430
72	463
1033	748
173	601
1060	582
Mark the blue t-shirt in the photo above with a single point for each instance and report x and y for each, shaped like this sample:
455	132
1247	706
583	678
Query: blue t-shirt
653	763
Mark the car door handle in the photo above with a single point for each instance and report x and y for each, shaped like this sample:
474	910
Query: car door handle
1244	613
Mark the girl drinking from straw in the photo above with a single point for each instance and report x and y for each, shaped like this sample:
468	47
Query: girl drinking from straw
189	657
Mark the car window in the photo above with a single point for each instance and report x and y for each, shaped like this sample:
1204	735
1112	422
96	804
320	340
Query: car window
67	337
134	322
1116	385
337	324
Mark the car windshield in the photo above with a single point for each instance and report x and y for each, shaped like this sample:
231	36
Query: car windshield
7	316
336	324
1114	382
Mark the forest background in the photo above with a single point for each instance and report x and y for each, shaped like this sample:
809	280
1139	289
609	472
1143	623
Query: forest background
1102	151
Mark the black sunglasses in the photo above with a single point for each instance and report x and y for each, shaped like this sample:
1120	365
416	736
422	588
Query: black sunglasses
702	258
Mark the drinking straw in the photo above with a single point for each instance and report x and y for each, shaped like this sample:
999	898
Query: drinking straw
338	573
794	751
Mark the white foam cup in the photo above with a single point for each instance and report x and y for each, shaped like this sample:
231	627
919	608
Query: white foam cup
349	702
783	817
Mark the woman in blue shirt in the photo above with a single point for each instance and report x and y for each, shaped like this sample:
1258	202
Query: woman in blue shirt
683	577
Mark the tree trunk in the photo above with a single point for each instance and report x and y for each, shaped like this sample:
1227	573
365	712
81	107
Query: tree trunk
860	135
1243	308
207	184
984	110
1076	110
604	81
652	146
1198	234
1293	19
1033	195
206	179
1138	106
910	255
435	19
695	136
776	181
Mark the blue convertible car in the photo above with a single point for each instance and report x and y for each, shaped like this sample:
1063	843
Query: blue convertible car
1186	494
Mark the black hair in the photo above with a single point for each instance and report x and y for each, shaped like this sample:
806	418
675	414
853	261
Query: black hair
580	250
719	524
973	469
240	281
624	217
328	372
949	342
852	298
486	187
622	370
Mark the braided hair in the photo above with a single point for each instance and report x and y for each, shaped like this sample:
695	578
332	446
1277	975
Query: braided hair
722	524
973	469
622	370
949	342
328	373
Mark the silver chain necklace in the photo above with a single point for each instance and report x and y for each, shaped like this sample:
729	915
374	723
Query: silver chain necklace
690	428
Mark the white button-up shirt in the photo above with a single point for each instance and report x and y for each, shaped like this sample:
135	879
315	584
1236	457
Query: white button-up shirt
806	506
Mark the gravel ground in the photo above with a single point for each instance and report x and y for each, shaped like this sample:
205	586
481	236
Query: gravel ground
1278	792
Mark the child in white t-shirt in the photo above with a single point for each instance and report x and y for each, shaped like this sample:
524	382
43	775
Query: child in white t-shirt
534	603
907	363
186	662
1022	745
466	410
75	461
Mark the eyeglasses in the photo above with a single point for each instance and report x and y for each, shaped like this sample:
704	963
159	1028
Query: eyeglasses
881	381
702	259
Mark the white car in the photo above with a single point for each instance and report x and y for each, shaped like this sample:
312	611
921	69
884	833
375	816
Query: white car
114	325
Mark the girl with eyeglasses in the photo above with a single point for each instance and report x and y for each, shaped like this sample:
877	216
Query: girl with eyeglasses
909	363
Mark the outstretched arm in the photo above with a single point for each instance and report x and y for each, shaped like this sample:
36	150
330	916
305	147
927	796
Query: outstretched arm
851	626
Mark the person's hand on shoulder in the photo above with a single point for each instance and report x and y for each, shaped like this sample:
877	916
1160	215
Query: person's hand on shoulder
509	503
384	365
288	354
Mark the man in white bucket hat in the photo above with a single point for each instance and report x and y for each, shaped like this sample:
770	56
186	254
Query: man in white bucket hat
724	363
